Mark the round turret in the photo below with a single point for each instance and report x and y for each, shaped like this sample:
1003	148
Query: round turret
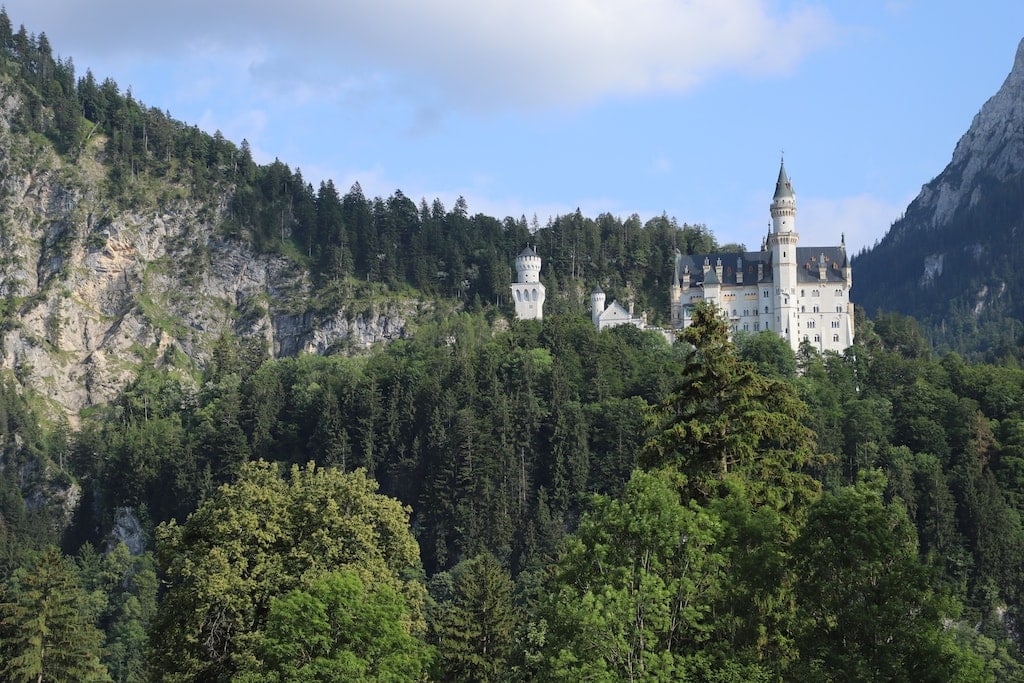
596	305
527	290
528	266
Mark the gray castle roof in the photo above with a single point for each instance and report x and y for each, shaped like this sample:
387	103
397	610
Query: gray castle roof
808	259
783	188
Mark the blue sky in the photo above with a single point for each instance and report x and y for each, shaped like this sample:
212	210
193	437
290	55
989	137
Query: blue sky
539	107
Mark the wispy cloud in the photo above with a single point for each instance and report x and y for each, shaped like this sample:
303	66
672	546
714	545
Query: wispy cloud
496	54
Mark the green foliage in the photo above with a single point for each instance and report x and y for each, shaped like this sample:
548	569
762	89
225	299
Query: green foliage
631	597
724	417
337	629
260	538
475	628
122	592
770	353
869	610
46	632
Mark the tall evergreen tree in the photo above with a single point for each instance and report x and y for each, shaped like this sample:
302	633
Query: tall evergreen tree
46	632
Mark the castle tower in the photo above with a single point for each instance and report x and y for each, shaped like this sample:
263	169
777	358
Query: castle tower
527	290
783	204
782	242
596	305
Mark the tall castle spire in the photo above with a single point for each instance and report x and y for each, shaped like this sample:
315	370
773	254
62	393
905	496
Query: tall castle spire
783	203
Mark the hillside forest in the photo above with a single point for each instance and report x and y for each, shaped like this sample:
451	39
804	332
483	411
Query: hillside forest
491	499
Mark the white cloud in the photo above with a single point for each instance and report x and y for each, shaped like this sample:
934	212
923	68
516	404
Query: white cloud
500	53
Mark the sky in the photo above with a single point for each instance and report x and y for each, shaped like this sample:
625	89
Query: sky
538	107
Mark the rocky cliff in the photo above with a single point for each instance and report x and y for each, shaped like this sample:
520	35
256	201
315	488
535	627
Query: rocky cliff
953	260
92	287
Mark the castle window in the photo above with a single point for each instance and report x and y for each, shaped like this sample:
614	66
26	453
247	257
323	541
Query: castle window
802	293
746	327
757	326
839	309
815	292
766	294
535	295
817	337
835	324
810	323
519	295
803	309
815	309
766	310
835	337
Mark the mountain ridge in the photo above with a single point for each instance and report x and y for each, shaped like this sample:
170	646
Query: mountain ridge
951	260
93	290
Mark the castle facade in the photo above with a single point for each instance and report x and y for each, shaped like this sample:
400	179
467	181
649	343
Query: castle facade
800	293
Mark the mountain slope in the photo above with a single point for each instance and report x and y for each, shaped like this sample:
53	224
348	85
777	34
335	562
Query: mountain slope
954	259
95	284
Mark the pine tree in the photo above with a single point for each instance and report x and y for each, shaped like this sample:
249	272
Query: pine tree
45	631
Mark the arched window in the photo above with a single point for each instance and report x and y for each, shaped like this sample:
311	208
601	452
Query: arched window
535	295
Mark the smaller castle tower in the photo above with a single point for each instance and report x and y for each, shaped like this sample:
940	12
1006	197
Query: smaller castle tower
596	306
527	290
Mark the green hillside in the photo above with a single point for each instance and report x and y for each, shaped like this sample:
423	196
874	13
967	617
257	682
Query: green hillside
482	499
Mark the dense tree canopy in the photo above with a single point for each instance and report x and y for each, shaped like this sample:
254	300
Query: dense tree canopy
260	538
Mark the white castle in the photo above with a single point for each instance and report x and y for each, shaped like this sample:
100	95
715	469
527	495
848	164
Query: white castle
615	314
527	290
801	293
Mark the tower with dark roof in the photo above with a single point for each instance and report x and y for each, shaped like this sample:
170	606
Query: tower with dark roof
782	242
800	293
528	290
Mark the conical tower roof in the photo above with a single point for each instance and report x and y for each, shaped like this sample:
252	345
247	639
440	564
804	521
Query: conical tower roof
783	188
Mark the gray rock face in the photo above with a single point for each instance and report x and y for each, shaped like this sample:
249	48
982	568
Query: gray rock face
993	146
956	250
93	290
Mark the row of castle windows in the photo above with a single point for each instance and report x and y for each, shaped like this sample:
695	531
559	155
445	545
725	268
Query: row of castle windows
746	312
814	309
817	338
526	296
